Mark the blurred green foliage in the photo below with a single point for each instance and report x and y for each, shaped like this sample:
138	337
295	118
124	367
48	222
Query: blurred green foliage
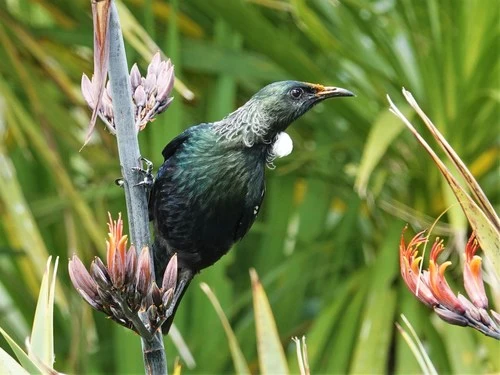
326	251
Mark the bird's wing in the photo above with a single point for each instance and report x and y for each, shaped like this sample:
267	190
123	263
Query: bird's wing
169	150
174	144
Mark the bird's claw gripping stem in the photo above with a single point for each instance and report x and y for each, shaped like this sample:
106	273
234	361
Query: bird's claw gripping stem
147	180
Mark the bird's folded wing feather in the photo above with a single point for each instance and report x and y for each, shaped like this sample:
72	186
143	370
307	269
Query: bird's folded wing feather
174	144
169	150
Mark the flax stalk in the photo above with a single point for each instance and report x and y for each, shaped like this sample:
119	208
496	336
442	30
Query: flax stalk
155	361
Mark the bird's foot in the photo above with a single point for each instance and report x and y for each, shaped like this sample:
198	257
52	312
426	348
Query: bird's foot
147	176
148	179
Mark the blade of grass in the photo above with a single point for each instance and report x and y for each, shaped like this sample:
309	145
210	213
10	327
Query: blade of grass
42	334
182	348
429	366
414	349
382	134
9	365
272	358
239	361
405	361
330	317
301	353
27	363
338	355
372	349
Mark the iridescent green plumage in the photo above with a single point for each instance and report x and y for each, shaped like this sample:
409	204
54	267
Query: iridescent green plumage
209	189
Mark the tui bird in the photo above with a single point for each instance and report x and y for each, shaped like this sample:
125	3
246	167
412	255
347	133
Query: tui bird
210	187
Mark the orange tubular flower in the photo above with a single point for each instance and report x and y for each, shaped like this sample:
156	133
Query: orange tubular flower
431	287
410	269
116	251
124	289
439	285
473	279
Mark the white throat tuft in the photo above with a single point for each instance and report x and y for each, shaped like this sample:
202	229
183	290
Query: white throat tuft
283	145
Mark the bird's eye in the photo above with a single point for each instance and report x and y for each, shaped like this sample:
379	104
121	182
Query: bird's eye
296	93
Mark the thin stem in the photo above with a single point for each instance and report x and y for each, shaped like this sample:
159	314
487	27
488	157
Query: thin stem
135	319
126	134
155	361
483	328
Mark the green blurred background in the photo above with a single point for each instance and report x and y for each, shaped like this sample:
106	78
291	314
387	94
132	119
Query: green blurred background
326	241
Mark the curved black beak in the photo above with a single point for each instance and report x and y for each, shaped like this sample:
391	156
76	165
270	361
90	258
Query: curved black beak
332	92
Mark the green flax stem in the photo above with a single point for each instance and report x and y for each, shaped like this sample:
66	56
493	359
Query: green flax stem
155	361
135	319
126	134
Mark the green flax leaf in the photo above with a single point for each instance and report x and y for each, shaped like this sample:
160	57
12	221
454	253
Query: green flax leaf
9	366
383	132
372	349
486	230
42	334
27	363
272	358
240	363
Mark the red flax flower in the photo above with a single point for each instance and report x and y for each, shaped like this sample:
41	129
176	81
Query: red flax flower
123	289
473	279
438	283
410	269
431	287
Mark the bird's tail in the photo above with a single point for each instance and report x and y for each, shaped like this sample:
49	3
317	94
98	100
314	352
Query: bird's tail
162	256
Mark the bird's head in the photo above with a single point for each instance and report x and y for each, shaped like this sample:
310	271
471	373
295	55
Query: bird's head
285	101
272	109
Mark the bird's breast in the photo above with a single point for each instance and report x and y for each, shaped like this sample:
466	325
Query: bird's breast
209	198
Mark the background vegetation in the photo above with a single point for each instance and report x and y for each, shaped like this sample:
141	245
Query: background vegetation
326	242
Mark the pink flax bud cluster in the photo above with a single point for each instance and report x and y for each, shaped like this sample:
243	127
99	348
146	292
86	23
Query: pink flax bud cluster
124	288
431	288
150	94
